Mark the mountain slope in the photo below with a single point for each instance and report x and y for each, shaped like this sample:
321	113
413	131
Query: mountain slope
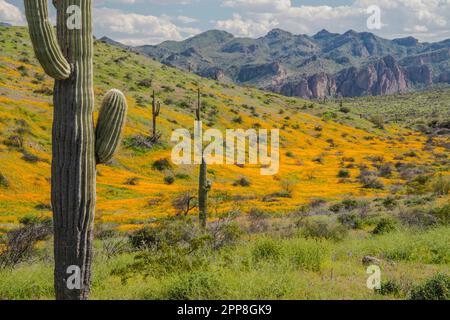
330	63
317	141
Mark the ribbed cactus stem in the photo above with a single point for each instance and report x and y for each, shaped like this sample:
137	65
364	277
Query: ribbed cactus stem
68	59
44	40
204	185
110	124
156	109
203	188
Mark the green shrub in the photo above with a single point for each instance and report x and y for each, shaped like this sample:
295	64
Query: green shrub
417	217
194	286
308	255
389	203
169	179
436	288
348	204
266	249
370	182
385	225
390	288
4	183
442	214
343	174
168	232
323	230
441	185
243	182
350	220
182	176
162	164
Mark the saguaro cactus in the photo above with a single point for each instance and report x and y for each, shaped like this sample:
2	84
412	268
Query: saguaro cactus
204	185
77	145
156	109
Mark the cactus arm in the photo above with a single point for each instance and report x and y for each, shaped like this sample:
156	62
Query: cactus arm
44	40
158	108
110	124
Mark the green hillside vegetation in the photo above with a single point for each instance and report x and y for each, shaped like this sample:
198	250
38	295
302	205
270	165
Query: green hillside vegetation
361	180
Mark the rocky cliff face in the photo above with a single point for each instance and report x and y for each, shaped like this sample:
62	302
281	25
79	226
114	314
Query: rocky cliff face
253	72
325	64
383	77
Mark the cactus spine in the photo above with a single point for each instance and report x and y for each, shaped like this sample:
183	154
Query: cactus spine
156	109
204	186
77	146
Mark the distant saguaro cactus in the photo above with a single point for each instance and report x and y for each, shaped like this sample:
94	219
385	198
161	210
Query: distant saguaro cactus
204	185
156	109
77	146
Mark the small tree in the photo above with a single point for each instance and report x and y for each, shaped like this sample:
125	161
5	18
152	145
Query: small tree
184	203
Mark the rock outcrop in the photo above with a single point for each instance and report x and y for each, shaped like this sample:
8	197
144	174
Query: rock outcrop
383	77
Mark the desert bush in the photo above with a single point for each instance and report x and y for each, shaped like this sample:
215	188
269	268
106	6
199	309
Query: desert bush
176	231
242	182
162	164
442	214
112	247
266	249
324	230
20	243
170	179
417	217
390	288
343	174
147	83
385	170
350	220
4	183
225	231
194	286
288	186
134	181
344	109
140	143
378	121
308	255
441	185
44	90
348	204
418	185
184	203
436	288
182	176
389	203
258	221
238	120
385	225
14	141
369	182
31	158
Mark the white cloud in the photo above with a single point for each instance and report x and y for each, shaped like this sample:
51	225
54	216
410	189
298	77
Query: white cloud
133	28
246	27
427	18
185	19
10	13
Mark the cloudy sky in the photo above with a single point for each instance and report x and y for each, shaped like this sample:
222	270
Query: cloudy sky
153	21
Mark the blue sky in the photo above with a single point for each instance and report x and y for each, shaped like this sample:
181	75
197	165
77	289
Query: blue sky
153	21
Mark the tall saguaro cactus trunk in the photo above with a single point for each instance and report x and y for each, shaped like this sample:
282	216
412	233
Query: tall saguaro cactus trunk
77	145
204	185
156	109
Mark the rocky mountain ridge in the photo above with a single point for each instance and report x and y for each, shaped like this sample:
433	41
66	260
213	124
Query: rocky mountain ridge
324	65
